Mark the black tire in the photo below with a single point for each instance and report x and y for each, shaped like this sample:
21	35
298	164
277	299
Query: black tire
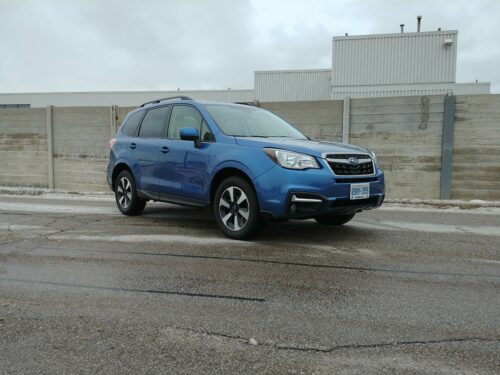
334	219
126	195
238	217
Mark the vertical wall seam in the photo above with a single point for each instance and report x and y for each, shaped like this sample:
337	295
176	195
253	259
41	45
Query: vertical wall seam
345	119
112	118
50	147
447	147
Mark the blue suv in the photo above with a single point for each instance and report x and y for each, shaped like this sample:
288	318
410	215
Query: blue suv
244	162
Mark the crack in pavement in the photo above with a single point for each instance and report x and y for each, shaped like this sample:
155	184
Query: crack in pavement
297	264
153	291
340	347
387	344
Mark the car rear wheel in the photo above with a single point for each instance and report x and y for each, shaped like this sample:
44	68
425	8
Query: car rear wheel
334	219
236	209
126	195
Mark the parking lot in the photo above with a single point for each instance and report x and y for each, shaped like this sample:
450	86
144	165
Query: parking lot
84	289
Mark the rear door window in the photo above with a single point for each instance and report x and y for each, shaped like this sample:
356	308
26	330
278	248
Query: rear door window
130	127
153	123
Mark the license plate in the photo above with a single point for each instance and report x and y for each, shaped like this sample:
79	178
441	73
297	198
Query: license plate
360	191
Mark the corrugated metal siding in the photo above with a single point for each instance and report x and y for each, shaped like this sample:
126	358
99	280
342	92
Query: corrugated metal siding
292	85
394	58
477	88
339	93
123	99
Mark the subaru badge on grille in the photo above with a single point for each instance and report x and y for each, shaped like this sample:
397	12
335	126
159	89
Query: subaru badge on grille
353	161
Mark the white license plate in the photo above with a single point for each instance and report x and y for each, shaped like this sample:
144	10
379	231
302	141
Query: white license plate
360	191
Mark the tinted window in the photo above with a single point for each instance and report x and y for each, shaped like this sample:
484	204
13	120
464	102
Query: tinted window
130	127
183	116
152	125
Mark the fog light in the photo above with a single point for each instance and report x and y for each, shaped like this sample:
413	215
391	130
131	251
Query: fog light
293	208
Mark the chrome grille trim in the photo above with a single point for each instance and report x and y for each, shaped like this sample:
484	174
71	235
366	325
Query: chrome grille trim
346	161
343	158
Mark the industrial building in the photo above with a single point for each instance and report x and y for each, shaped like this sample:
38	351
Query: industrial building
363	66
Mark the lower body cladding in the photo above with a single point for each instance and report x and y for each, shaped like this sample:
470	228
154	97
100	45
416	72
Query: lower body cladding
290	194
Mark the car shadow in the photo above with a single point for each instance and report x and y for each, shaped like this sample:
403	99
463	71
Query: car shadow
288	231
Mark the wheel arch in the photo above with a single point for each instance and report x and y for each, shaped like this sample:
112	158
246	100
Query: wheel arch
119	167
227	172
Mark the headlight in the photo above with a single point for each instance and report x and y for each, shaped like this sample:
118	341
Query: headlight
374	157
291	160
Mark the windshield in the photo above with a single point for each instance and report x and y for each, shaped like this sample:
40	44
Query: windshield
243	121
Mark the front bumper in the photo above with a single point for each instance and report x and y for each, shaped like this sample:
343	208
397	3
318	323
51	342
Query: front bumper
317	192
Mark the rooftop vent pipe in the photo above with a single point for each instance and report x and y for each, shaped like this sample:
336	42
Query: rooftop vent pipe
402	28
419	21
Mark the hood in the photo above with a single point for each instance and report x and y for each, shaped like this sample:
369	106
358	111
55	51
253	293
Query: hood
305	146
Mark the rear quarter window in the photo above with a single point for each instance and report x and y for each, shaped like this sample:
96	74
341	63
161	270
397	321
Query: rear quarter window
153	123
130	126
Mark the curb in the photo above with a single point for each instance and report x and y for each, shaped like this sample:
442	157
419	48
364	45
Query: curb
35	191
445	203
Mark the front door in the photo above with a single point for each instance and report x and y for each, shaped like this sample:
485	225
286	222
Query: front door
182	166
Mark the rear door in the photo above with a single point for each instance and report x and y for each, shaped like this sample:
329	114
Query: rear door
183	167
146	151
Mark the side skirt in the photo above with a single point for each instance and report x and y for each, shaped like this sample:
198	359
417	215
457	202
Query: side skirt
167	198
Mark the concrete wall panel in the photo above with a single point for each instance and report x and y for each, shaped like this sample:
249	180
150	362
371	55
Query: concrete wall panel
319	120
405	133
23	147
81	135
476	152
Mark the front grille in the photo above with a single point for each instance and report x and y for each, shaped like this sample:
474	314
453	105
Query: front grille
341	164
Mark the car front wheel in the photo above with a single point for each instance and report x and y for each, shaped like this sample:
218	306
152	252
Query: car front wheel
334	219
126	195
236	209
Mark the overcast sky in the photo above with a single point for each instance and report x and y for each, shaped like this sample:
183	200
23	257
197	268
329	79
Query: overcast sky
102	45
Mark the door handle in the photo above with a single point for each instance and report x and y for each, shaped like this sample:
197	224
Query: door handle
164	150
132	146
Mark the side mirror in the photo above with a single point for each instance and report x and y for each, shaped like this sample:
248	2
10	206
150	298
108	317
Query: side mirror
191	134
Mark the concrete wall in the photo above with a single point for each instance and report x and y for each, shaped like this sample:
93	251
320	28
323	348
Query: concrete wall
81	135
406	135
121	112
319	120
476	148
404	132
23	147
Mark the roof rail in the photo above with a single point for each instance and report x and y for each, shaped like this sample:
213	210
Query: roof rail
182	97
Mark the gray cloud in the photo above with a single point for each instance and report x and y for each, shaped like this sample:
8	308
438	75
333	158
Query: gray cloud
61	45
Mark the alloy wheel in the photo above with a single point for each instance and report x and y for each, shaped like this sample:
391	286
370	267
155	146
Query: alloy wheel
124	192
234	208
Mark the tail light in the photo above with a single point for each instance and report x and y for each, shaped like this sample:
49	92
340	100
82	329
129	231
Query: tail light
111	143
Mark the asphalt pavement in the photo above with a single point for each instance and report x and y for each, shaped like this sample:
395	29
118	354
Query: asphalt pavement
401	289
